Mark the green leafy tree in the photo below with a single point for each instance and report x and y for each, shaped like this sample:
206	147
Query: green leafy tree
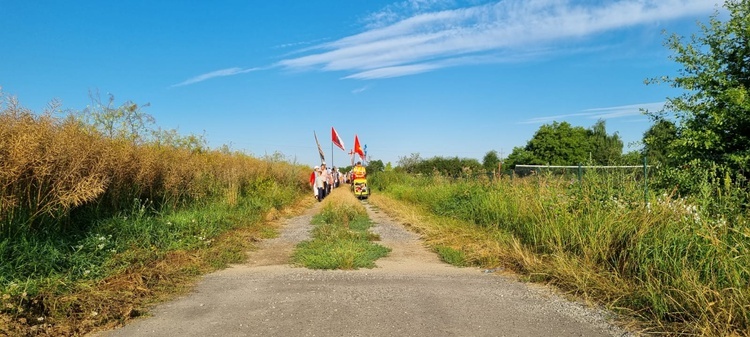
560	144
521	156
491	161
604	149
632	158
713	113
409	164
564	144
658	142
451	167
375	166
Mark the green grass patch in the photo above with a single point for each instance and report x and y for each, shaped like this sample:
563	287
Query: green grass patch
78	280
452	256
341	237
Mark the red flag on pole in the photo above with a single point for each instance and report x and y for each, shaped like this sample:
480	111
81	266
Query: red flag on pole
336	139
357	148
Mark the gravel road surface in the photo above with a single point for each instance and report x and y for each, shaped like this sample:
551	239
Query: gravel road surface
410	293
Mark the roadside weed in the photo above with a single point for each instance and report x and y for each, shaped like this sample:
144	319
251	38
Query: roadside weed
341	237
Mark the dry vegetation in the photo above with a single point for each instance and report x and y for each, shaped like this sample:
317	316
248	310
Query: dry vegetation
100	213
51	165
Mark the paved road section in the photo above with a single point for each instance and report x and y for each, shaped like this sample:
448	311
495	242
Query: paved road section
410	293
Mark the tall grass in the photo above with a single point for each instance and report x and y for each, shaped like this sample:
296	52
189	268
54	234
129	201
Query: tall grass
52	166
681	267
85	197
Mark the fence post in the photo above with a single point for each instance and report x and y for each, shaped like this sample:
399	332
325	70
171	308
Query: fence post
645	180
538	178
580	173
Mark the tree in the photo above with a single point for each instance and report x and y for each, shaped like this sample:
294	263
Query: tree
564	144
713	113
632	158
560	144
451	167
658	142
491	161
409	163
603	148
521	156
375	166
126	122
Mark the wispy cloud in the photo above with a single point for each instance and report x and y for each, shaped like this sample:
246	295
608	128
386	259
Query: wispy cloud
399	10
386	72
624	110
416	36
360	90
600	113
214	74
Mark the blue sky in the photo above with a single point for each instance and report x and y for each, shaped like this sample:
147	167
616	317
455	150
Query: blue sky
434	77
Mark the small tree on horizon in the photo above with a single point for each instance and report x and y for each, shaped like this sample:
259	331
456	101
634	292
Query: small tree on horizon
491	161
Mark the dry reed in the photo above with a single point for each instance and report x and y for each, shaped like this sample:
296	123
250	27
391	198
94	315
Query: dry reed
49	166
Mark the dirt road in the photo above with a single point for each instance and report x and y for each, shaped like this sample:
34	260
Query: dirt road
410	293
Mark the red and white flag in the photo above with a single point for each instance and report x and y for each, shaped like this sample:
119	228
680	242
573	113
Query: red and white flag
336	139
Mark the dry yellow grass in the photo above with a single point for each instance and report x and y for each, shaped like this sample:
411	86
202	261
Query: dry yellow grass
59	176
342	201
50	165
481	246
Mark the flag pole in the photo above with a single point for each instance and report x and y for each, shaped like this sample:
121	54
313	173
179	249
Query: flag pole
320	150
336	140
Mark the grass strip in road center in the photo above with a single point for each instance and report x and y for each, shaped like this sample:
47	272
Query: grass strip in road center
341	237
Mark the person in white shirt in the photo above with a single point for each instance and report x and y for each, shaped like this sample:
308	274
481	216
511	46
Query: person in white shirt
320	184
325	177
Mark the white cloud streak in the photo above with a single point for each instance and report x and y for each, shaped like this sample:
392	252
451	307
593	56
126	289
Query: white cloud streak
601	113
214	74
360	90
430	40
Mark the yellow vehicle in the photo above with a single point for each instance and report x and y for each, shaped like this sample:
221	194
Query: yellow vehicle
360	188
359	182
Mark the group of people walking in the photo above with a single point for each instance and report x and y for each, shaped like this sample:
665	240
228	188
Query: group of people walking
323	181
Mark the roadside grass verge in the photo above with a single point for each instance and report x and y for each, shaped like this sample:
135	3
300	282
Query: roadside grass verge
146	259
101	214
341	238
670	266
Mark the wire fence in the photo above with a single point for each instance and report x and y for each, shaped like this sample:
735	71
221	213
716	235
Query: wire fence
637	173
